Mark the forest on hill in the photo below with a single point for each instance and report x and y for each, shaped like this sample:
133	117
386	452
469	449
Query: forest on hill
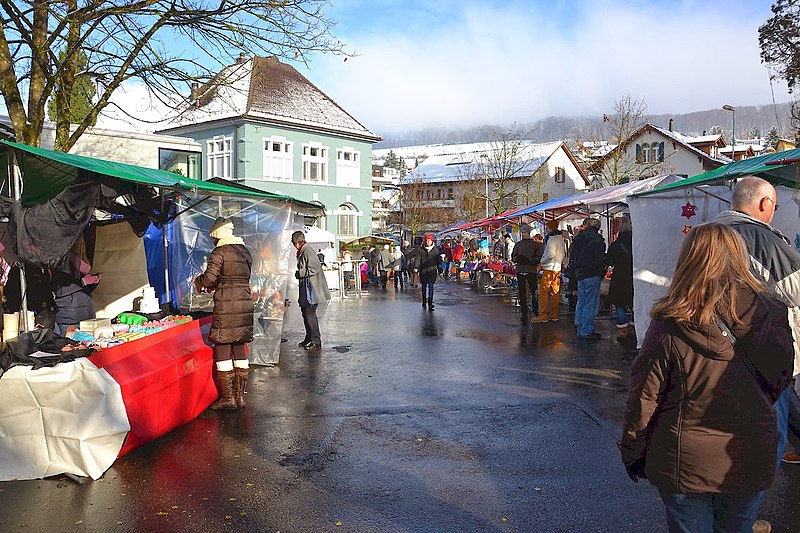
751	121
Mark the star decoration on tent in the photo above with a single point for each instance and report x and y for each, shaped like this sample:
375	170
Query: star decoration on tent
689	210
687	229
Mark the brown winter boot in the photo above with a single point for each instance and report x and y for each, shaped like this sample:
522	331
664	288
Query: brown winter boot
240	385
226	401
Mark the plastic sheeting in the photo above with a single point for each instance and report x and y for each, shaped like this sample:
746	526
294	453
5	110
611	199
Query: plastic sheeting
266	229
68	418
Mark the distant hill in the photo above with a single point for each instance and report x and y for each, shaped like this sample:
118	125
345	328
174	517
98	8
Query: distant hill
548	129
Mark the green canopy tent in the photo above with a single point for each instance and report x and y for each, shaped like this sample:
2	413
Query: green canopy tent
46	173
779	168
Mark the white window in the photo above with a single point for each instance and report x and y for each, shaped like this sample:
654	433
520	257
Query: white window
560	176
219	155
348	167
278	158
645	153
347	220
315	162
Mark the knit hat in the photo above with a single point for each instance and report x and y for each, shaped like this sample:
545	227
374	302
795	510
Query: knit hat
429	236
524	228
552	225
222	227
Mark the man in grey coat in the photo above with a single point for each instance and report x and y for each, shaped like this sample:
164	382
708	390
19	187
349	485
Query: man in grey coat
309	271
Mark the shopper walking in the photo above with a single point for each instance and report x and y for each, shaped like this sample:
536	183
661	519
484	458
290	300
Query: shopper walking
313	290
429	266
699	422
588	265
228	275
620	292
555	252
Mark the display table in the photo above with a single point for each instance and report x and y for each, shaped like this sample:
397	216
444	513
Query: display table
78	417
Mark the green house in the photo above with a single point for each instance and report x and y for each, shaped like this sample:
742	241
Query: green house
263	124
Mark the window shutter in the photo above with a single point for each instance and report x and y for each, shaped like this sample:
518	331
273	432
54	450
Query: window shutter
638	153
661	152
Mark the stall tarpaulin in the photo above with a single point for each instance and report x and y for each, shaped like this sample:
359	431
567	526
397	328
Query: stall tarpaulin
266	229
67	418
659	223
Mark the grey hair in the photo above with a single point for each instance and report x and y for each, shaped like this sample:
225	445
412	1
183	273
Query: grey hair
298	236
749	191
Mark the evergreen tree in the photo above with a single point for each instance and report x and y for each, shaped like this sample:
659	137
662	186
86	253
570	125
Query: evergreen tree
773	137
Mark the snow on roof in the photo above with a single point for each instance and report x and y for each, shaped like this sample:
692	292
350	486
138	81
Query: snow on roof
461	165
684	140
702	139
265	88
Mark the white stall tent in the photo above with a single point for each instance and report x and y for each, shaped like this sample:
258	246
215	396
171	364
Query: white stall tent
661	216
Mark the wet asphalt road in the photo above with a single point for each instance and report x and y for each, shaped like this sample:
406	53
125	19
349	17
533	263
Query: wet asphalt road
460	419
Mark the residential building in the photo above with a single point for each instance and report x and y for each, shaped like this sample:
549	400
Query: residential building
653	150
385	194
263	124
467	182
165	152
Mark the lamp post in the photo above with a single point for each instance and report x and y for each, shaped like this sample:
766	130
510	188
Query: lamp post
732	109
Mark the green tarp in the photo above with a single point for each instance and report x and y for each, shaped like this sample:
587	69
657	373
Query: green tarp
47	172
777	174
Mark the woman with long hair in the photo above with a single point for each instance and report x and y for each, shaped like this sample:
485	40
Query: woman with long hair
699	423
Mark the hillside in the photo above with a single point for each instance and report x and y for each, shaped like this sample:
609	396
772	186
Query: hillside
547	129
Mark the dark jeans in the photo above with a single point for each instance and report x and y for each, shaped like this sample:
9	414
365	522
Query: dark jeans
526	283
311	323
384	278
399	282
427	288
704	513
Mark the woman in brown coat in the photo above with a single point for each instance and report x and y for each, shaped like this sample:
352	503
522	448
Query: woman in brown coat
228	275
700	423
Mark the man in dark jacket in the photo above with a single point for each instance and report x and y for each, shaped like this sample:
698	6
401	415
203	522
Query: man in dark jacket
588	267
774	262
526	256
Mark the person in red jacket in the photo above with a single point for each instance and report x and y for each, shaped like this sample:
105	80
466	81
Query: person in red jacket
458	256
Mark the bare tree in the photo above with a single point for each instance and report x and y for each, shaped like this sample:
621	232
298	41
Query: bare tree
419	212
165	44
617	129
505	169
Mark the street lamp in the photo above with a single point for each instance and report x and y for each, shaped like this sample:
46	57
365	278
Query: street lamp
732	109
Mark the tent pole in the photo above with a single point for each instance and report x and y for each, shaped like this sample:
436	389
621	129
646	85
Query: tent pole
164	247
16	181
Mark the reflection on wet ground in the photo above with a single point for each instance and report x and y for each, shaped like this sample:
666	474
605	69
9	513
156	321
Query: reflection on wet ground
464	418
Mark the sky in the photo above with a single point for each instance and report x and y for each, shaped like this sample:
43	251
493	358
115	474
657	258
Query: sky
460	63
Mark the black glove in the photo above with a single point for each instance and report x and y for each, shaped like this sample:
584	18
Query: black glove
635	470
297	274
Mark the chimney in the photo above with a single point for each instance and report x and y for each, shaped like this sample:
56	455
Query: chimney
670	124
241	59
704	133
195	90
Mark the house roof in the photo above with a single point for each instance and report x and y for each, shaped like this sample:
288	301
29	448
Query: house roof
671	135
456	166
266	90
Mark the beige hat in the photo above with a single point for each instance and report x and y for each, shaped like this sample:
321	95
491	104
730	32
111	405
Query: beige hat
222	227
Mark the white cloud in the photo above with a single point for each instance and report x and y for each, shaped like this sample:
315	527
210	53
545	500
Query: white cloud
135	99
526	61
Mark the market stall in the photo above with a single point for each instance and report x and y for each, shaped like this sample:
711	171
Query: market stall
78	416
661	217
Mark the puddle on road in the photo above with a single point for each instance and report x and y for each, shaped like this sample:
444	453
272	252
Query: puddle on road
342	349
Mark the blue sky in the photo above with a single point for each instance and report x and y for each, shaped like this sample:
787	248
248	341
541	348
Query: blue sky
460	63
456	63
